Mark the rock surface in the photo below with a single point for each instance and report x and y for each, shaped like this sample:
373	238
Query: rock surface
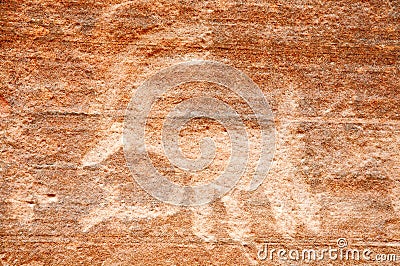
329	70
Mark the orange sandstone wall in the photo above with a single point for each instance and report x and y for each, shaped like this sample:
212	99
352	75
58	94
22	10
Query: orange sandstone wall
328	69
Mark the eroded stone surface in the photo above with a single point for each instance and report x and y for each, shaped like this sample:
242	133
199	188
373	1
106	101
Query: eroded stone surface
330	71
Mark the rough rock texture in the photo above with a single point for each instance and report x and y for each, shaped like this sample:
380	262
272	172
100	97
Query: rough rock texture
329	69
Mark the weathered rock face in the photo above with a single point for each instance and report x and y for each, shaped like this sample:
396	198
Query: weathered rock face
329	70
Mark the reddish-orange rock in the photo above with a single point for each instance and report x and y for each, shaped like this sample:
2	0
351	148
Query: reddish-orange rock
328	69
